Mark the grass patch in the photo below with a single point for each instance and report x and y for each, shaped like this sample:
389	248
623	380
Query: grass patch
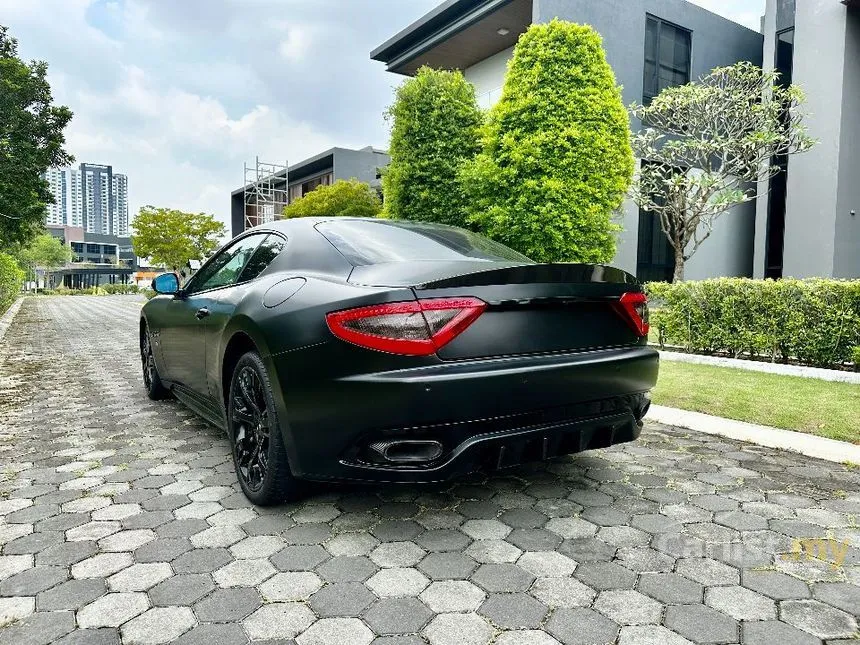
807	405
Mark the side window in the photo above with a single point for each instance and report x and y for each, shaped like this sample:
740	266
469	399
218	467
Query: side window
268	250
224	268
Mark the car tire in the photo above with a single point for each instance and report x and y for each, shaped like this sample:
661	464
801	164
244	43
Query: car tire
155	389
259	456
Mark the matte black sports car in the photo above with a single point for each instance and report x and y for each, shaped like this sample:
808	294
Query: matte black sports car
363	349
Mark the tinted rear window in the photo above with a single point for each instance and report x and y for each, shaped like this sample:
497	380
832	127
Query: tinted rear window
364	243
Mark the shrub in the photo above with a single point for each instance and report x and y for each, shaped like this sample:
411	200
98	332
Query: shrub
11	280
344	197
816	322
435	123
556	159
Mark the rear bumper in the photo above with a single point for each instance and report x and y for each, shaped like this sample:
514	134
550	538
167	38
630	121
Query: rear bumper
490	413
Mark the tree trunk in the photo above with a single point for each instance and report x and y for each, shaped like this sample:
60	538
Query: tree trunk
679	267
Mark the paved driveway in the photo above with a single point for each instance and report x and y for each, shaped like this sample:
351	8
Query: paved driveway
120	519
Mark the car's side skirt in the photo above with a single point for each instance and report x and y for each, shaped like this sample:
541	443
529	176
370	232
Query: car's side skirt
201	406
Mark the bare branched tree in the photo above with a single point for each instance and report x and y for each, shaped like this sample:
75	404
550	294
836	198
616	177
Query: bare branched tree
706	146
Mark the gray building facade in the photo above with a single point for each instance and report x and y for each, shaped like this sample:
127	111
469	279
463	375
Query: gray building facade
807	221
322	169
650	44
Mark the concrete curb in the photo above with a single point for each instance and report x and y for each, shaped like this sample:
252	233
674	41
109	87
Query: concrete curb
838	376
806	444
6	319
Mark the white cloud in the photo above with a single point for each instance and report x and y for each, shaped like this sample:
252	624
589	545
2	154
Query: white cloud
296	45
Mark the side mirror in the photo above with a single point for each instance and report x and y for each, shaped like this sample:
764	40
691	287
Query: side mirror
167	283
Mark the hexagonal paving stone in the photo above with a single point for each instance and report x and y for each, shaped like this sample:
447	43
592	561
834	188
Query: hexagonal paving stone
227	605
458	629
31	581
397	582
707	571
202	560
211	634
581	626
285	587
181	589
347	569
39	628
112	610
12	609
701	624
819	619
397	554
158	625
841	595
774	584
628	607
341	599
244	573
447	566
397	616
71	595
514	611
571	527
278	620
493	551
299	558
334	631
650	635
260	546
546	564
351	544
443	540
605	575
771	631
562	592
740	603
139	577
452	595
502	578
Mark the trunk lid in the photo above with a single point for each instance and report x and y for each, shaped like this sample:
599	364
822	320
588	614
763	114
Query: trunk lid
532	308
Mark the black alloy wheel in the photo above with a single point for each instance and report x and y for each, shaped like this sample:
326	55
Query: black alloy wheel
258	450
155	390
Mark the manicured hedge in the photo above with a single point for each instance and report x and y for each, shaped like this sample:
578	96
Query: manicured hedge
816	322
11	279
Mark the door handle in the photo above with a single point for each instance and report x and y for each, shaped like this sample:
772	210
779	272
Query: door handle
201	313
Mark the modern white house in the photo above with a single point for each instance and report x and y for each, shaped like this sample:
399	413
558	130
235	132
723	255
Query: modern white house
653	44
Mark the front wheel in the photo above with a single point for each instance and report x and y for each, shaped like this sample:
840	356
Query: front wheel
155	389
258	448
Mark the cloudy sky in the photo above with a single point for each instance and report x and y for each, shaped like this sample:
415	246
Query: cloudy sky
177	94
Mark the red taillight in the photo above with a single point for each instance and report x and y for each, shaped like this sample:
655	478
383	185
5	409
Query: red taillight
633	307
416	328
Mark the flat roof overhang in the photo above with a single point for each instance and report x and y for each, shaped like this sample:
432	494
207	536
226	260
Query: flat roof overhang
456	35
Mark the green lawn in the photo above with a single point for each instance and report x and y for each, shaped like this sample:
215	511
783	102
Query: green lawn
803	404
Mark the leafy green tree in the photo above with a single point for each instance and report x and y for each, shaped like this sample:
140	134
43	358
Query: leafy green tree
709	144
11	279
45	252
435	123
172	238
556	159
344	197
31	141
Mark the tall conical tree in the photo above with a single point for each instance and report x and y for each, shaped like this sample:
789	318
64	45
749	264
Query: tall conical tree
556	159
435	123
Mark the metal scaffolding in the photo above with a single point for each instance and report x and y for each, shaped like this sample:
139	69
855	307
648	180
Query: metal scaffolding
266	192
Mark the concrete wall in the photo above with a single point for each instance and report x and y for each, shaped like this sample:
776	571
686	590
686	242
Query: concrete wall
715	41
488	76
359	164
846	263
813	177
